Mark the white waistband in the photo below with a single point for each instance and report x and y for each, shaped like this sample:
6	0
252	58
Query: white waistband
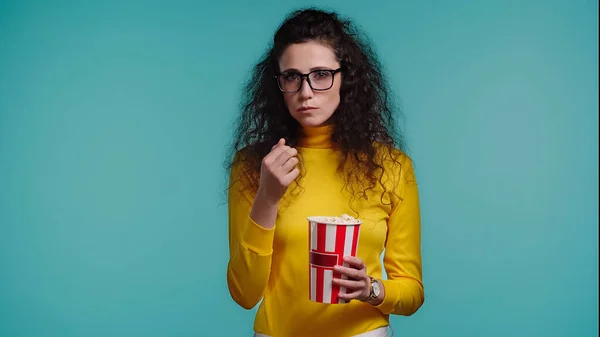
379	332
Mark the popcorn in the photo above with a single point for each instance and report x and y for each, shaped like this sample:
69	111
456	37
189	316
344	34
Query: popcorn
348	218
344	219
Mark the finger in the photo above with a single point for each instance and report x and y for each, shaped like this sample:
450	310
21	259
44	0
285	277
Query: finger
350	296
290	164
284	156
281	142
350	284
288	178
350	272
355	262
275	153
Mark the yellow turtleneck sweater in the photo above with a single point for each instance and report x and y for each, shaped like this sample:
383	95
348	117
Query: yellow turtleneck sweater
272	265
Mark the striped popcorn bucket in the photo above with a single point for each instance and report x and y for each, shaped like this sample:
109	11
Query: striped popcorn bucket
329	242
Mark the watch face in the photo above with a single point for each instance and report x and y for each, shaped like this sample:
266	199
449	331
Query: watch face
376	289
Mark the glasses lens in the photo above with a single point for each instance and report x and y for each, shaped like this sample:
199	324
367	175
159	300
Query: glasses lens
321	80
290	82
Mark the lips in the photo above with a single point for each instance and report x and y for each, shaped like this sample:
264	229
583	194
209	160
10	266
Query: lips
306	108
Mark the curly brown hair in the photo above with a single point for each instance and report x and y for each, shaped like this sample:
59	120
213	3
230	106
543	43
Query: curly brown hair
364	121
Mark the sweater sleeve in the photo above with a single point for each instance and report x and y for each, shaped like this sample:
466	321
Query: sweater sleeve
250	248
404	293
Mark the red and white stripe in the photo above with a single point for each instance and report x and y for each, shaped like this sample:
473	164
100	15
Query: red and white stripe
329	243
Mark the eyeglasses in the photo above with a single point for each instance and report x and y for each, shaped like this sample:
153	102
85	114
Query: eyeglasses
318	80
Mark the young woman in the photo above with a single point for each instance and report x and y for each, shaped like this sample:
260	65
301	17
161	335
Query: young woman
317	137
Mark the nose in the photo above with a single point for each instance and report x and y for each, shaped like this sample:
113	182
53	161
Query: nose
306	91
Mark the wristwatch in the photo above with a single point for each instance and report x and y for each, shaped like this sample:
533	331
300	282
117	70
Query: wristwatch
375	289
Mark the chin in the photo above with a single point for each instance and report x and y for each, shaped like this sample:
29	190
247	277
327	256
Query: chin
311	121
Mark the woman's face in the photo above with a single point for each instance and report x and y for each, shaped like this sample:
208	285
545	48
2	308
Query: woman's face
307	106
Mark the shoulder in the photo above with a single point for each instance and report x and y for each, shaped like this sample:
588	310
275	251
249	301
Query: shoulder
241	165
393	159
244	157
398	168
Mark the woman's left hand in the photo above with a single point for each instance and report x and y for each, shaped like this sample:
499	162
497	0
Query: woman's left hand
358	284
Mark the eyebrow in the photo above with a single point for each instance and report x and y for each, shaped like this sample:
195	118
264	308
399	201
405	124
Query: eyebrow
311	69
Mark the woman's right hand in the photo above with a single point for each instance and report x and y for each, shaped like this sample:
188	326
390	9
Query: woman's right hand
278	170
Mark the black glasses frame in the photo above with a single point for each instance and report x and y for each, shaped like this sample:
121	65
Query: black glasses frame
303	76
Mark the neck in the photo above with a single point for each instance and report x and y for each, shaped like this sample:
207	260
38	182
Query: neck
318	137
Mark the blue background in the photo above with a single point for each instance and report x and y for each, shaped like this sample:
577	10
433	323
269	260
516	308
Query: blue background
115	115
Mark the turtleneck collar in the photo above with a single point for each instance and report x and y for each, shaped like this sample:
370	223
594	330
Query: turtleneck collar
317	137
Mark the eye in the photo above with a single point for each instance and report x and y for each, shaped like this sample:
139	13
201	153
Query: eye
290	77
322	74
